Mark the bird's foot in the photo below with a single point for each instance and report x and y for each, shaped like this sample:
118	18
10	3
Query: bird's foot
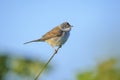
56	51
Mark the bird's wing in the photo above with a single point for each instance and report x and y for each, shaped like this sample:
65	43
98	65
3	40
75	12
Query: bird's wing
55	32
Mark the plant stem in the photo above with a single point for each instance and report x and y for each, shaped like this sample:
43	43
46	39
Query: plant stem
36	78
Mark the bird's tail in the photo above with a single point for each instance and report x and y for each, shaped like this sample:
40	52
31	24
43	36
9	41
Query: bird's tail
38	40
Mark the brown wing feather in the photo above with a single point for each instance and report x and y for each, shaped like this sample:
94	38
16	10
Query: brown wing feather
55	32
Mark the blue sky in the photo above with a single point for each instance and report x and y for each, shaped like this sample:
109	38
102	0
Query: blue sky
94	36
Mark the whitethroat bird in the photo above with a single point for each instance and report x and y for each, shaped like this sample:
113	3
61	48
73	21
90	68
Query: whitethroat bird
57	36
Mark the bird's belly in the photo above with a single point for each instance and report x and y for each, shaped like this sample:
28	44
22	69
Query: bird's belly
57	41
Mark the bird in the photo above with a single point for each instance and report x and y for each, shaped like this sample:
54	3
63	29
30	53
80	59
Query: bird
55	37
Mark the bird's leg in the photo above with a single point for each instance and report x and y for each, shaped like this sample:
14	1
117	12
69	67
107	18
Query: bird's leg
60	46
56	50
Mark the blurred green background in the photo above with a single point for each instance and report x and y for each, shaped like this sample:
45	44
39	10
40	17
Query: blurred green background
19	68
16	68
106	70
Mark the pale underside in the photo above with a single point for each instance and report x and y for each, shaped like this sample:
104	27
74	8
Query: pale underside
58	41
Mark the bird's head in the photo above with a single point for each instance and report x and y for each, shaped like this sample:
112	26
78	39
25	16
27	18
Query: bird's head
65	26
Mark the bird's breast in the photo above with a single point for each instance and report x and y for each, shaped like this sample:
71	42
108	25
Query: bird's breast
64	37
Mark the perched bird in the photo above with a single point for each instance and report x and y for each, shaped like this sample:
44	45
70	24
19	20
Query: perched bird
57	36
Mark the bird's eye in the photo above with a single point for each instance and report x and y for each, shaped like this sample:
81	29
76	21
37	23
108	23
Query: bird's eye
68	24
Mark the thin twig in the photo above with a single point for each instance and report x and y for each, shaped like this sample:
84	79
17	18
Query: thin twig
36	78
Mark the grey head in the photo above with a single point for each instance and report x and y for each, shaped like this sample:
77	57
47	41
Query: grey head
65	26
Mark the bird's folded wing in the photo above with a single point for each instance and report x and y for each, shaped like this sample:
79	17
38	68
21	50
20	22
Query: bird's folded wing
55	32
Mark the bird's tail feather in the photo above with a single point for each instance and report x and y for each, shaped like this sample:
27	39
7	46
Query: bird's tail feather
38	40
